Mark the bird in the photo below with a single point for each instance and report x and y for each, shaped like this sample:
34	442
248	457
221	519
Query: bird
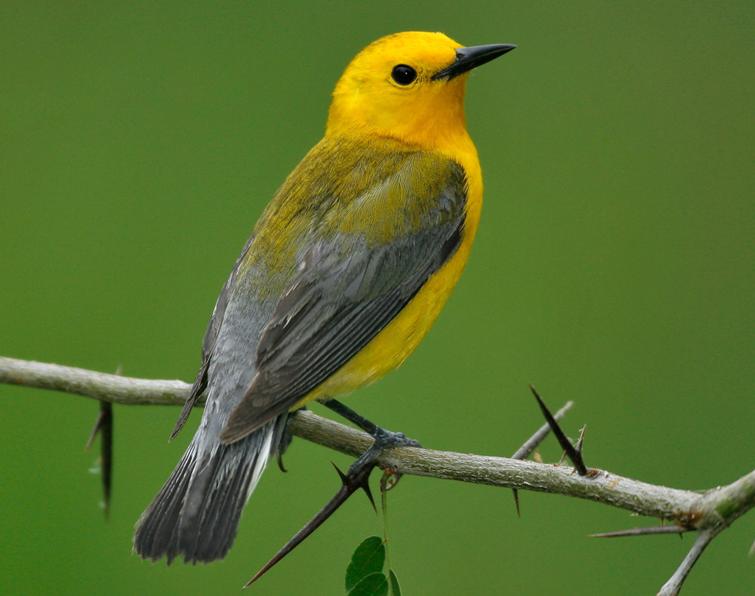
345	272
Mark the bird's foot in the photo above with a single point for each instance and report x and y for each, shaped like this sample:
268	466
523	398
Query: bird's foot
383	439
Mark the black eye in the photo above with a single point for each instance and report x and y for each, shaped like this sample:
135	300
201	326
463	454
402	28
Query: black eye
403	74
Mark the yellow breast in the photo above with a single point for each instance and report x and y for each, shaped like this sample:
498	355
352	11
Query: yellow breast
393	345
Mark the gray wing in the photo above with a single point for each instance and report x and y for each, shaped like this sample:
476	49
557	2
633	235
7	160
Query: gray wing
343	295
208	344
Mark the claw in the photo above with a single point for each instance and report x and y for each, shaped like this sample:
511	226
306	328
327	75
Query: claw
284	441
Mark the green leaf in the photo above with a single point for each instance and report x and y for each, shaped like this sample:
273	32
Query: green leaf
395	587
368	558
374	584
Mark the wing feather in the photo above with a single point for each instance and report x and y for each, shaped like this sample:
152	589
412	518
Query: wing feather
346	290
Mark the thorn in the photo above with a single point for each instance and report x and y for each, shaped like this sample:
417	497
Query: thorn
350	483
643	532
103	426
95	430
581	439
365	486
530	447
574	455
341	475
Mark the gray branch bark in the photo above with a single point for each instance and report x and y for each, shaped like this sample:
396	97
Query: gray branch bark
708	512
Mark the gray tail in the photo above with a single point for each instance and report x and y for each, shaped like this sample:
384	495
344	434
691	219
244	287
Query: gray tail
197	511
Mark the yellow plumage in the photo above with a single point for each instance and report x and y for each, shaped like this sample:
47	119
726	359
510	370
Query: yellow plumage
385	119
346	271
393	345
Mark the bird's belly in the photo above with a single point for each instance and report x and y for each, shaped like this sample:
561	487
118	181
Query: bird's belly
389	348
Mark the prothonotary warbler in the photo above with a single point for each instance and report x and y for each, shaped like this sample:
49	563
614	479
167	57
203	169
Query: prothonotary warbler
345	273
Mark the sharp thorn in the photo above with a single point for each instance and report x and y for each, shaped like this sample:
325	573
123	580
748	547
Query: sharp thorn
95	430
366	488
515	492
652	530
106	449
581	439
103	426
530	447
341	475
566	445
350	484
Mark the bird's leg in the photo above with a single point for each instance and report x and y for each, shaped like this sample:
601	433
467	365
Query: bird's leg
383	438
346	412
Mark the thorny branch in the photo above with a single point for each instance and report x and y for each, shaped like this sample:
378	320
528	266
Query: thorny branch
359	478
708	512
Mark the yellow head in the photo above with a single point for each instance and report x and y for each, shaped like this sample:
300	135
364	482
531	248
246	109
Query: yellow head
407	86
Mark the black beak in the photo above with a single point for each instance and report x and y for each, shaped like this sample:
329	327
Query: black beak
472	57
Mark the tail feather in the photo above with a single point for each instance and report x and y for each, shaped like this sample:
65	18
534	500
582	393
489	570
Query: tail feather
216	525
157	528
197	511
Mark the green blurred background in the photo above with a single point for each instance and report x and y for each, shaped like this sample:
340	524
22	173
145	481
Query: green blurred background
139	142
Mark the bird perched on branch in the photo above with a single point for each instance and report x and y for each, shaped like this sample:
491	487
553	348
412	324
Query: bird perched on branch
345	273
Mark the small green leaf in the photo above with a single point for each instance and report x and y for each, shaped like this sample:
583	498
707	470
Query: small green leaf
395	587
374	584
368	558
